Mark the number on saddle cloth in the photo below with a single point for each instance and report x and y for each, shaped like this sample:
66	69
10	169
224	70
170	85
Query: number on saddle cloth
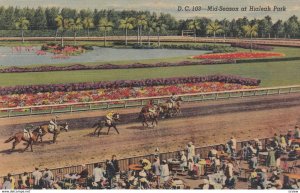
51	127
108	121
27	134
170	105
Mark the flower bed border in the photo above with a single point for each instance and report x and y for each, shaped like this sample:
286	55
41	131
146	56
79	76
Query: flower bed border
49	68
33	89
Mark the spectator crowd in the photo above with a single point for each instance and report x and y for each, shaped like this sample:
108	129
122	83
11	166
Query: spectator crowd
273	165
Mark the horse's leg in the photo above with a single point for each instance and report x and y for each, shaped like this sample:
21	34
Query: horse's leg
31	143
156	121
28	143
15	143
99	131
54	137
108	130
116	129
96	130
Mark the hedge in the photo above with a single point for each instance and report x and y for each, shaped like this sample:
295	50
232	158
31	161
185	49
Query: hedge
254	46
15	69
214	48
267	60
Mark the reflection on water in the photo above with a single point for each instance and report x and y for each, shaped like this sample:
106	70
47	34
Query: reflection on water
8	57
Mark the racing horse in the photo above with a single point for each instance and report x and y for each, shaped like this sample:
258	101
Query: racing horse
146	115
21	136
108	123
169	109
46	128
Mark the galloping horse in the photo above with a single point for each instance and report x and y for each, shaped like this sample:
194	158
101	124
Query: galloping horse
44	129
170	109
105	122
146	115
20	136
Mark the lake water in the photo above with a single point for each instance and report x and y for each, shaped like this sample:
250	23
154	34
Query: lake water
9	57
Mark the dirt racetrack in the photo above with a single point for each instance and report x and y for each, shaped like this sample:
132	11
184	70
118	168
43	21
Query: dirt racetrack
203	123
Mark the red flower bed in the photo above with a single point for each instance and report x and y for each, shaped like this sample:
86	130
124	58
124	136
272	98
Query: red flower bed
239	55
32	89
61	97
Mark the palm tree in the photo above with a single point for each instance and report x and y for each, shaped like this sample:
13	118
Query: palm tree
160	27
194	25
250	31
105	25
126	24
75	25
88	23
141	22
214	28
62	24
22	24
151	27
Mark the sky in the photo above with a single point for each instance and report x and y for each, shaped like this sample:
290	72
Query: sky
171	6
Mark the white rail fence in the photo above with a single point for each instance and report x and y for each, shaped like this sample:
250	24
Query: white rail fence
139	102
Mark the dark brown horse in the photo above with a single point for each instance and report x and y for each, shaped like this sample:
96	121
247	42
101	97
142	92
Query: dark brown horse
105	122
44	129
18	137
146	115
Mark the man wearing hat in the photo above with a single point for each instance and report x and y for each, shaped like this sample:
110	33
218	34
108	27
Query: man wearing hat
164	171
297	132
156	170
258	146
232	143
289	137
37	175
183	160
190	151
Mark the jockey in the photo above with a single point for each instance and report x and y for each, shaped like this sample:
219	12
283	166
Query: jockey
173	99
27	130
151	107
109	117
53	122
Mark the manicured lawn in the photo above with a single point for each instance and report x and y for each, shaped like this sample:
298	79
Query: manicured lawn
271	74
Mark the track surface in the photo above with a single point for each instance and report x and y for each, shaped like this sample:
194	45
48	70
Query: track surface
203	123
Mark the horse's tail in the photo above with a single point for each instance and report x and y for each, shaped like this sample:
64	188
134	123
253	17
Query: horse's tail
10	139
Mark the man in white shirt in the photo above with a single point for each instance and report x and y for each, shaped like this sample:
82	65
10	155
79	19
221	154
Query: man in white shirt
37	175
164	171
233	145
98	173
183	161
191	151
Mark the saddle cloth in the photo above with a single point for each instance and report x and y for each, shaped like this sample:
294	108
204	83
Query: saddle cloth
108	121
51	128
27	135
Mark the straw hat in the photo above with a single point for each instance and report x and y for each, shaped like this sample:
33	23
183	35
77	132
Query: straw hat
142	174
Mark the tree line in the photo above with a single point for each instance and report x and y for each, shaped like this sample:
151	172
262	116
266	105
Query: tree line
143	22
